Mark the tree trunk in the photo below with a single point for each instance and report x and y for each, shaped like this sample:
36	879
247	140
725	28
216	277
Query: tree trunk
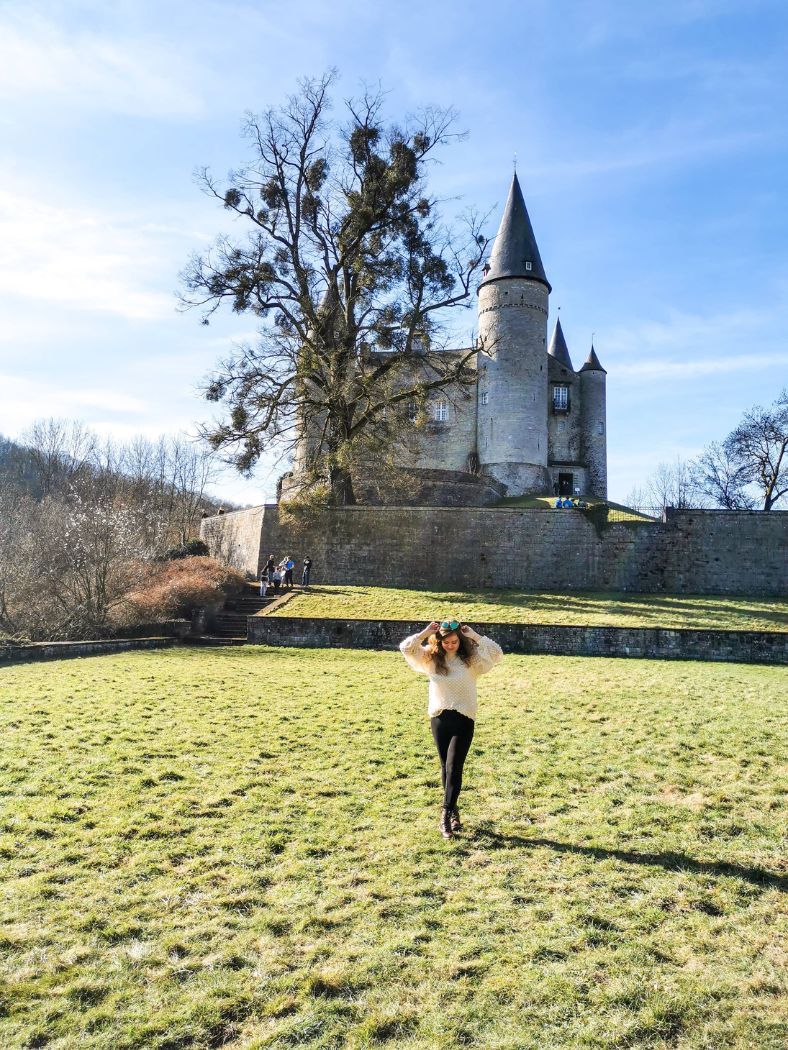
341	484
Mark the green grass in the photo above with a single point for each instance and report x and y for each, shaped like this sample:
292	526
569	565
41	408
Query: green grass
238	848
621	513
511	606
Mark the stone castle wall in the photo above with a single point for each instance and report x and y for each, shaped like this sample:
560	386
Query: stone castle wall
234	538
692	552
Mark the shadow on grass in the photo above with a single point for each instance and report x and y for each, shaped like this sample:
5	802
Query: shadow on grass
669	860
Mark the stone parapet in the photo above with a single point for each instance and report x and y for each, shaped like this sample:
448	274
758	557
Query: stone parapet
769	647
13	654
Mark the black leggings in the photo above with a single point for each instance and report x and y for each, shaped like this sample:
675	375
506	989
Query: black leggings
452	733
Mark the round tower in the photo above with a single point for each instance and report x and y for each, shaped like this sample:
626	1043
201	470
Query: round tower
593	389
513	380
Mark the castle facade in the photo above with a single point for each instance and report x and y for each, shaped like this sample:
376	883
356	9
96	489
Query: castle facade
530	424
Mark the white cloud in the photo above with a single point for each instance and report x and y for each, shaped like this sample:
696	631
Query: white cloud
26	399
687	346
132	74
658	369
78	258
680	143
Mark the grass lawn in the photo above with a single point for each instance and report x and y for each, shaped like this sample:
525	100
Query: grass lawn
619	511
513	606
239	848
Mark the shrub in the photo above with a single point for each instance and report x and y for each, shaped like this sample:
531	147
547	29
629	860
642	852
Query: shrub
175	588
193	548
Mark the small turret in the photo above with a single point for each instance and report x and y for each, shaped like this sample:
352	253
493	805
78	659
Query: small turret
593	387
592	362
558	348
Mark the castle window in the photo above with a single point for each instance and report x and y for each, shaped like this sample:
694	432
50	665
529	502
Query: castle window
600	428
560	398
528	266
440	411
485	397
561	426
413	411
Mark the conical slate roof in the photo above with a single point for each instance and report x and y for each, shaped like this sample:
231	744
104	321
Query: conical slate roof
592	363
515	246
558	348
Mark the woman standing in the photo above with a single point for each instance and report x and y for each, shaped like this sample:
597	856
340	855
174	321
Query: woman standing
453	658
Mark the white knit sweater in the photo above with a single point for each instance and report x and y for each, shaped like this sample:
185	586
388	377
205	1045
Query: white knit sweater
455	691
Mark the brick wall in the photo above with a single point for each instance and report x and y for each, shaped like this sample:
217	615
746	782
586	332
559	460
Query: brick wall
692	552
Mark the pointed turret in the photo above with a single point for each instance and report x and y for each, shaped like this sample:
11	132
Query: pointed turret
558	348
515	253
592	363
593	444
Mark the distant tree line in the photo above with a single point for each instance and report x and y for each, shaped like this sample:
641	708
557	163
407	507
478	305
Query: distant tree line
82	517
748	470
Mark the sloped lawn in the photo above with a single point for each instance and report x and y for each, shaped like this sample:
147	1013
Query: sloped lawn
238	848
513	606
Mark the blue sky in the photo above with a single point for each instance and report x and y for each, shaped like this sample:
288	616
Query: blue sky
652	149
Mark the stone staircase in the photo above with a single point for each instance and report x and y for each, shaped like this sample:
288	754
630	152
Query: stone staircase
230	628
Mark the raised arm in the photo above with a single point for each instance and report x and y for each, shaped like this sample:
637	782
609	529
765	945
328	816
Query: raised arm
411	648
488	652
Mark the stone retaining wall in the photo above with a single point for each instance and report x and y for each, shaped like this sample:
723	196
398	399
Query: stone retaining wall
649	642
691	552
14	654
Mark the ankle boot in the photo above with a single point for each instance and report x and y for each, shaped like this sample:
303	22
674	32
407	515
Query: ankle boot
454	820
445	824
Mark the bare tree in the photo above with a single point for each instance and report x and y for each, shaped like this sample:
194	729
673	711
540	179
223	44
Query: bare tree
350	272
60	451
758	446
68	557
722	478
672	485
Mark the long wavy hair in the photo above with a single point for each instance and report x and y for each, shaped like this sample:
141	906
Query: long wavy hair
466	652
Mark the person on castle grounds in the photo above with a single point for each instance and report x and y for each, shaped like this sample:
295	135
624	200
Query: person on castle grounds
263	582
276	579
288	565
269	567
306	572
453	658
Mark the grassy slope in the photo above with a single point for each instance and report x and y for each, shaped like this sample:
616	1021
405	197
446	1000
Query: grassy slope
239	847
621	513
499	606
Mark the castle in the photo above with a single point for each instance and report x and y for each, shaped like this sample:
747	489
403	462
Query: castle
530	423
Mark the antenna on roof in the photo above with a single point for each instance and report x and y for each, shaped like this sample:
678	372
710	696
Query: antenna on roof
514	161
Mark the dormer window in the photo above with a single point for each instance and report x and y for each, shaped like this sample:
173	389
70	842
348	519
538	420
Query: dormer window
560	397
528	266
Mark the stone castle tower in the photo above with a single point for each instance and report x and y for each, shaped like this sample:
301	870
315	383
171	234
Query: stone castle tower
541	425
532	425
512	370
